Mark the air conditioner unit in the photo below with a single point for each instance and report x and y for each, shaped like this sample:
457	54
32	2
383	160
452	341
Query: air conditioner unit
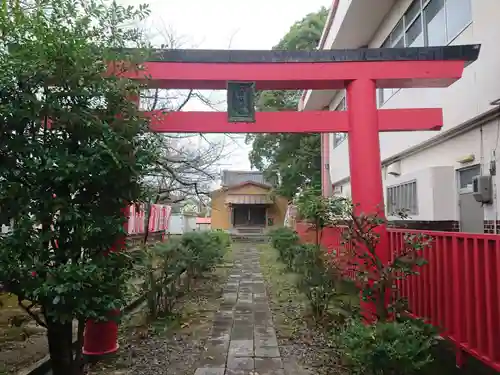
482	189
394	169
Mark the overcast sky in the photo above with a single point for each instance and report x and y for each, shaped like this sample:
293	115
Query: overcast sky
223	24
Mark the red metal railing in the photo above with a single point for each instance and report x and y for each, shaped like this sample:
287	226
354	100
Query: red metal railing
458	291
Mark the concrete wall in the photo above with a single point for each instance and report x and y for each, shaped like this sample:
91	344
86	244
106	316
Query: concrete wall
180	224
203	227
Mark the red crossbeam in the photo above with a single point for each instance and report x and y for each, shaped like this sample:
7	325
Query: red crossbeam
292	122
292	76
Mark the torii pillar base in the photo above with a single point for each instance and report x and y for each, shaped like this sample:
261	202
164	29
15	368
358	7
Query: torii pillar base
365	166
101	337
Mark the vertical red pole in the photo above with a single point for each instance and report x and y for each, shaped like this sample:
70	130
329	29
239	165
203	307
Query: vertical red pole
365	165
101	338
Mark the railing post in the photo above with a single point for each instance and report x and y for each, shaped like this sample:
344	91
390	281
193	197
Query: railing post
457	305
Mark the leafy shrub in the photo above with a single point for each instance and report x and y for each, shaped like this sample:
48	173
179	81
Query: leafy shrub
284	239
203	252
387	348
316	279
193	253
318	210
222	238
376	276
320	283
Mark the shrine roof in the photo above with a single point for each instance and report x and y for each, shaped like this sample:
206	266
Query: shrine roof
468	53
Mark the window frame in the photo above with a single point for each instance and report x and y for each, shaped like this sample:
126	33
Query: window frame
407	24
341	106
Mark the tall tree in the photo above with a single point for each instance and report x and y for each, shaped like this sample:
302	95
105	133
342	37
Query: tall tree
294	159
74	151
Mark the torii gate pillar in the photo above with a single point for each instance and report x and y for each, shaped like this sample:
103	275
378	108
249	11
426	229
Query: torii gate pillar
365	165
364	147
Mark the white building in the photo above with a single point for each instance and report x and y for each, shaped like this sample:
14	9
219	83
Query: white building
429	173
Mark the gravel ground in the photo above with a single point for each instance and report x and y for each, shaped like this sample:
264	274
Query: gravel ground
303	347
169	346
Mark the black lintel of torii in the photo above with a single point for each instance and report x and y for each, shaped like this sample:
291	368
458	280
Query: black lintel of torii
468	53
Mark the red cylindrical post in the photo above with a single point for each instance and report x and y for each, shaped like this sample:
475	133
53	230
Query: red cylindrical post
365	164
101	338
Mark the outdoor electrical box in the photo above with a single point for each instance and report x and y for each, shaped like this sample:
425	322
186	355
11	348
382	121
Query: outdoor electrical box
482	189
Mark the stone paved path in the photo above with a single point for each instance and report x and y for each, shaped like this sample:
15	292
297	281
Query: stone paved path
243	340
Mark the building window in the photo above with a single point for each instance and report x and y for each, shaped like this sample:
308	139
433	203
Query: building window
435	23
338	138
427	23
402	198
458	15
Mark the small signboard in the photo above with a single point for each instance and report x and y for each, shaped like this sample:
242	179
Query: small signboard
241	101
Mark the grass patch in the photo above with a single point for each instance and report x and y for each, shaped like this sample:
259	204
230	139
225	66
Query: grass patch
288	304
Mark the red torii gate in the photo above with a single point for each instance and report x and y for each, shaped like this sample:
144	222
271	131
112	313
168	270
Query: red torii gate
359	71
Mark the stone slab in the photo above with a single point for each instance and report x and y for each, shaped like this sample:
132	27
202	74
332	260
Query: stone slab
231	371
209	371
242	333
266	342
240	363
267	351
241	348
266	364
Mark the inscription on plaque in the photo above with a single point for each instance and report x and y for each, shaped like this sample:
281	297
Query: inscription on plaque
241	101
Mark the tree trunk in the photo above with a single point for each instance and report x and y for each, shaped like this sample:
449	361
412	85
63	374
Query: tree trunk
78	361
59	336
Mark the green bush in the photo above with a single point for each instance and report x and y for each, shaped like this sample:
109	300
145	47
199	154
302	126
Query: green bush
222	238
387	348
320	283
284	240
203	252
194	253
316	279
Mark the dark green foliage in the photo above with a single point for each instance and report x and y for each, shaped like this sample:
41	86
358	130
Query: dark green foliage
73	153
294	158
319	282
320	211
284	240
221	238
192	255
377	278
306	33
203	251
388	348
